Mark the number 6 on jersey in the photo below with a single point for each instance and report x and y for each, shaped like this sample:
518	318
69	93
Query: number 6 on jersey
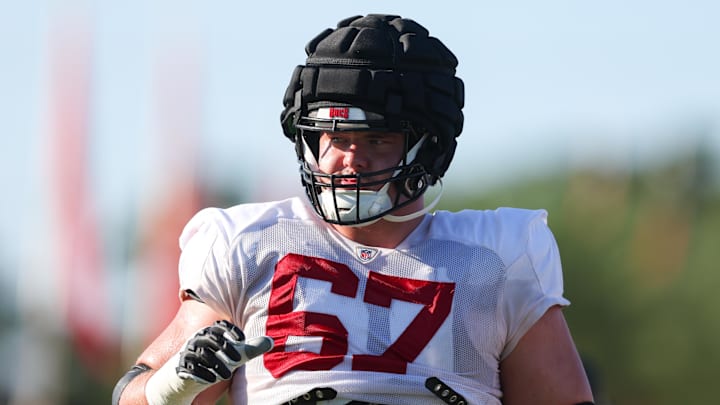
435	297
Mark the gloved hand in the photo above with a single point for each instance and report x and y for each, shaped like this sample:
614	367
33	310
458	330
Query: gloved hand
209	356
216	351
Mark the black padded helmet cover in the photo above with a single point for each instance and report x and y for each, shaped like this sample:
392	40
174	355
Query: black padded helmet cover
388	65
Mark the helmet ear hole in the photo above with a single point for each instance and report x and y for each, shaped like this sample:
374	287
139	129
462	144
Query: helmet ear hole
409	187
415	183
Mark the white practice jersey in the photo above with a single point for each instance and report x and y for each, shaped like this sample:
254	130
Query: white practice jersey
451	301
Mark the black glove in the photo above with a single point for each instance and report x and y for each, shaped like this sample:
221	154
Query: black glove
216	351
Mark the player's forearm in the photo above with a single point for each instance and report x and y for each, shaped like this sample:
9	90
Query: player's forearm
134	392
204	365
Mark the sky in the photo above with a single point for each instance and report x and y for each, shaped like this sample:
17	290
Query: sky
551	84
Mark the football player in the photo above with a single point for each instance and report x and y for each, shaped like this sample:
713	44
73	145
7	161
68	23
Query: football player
359	294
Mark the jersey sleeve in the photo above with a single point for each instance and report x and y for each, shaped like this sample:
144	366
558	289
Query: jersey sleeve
533	282
203	265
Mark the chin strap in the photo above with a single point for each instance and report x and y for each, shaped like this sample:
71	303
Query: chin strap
416	214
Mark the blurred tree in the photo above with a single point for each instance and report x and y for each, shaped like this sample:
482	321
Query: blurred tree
639	252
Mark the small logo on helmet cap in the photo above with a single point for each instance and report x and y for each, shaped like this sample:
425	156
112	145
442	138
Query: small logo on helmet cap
342	117
339	112
365	254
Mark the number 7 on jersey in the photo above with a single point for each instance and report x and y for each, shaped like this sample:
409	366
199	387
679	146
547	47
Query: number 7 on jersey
435	298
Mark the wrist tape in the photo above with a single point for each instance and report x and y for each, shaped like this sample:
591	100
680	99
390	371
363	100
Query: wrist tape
165	387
